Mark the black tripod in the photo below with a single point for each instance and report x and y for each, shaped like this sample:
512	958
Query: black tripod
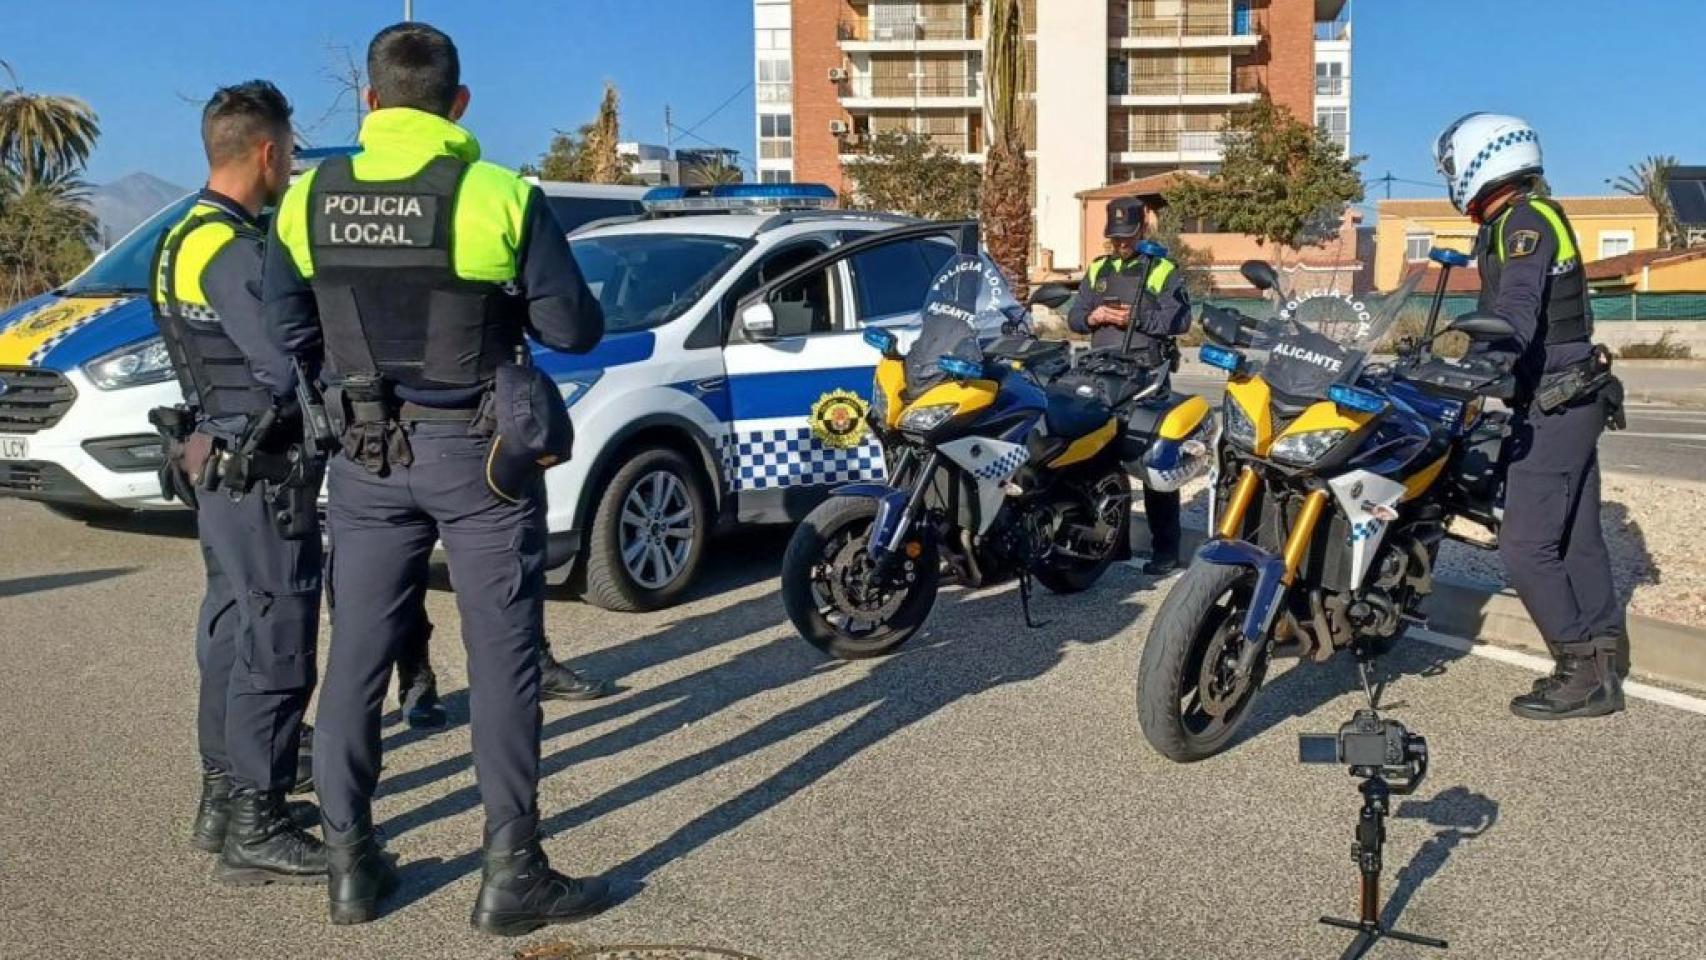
1371	838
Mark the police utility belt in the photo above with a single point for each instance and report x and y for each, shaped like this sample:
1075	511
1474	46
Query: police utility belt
1580	382
287	473
368	420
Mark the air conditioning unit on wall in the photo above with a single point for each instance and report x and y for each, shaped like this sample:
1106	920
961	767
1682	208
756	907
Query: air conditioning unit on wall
837	74
839	128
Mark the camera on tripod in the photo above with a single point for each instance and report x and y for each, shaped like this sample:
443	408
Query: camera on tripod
1372	746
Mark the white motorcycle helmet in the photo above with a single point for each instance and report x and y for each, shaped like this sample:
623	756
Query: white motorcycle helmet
1482	151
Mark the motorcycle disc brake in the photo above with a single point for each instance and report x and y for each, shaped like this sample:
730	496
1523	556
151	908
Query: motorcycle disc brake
850	586
1218	688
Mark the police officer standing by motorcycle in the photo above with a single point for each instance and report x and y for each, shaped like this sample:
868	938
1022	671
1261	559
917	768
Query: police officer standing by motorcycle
413	272
1102	308
1550	538
236	452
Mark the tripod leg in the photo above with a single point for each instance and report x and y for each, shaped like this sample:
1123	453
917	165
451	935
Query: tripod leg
1417	939
1341	924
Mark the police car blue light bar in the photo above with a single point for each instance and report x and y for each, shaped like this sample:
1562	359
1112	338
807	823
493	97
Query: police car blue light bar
739	198
960	369
1352	398
1221	357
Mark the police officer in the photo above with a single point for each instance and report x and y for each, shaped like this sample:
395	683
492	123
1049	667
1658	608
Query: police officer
260	614
1550	539
1102	308
414	270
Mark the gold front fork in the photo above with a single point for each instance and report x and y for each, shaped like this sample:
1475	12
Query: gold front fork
1232	524
1297	544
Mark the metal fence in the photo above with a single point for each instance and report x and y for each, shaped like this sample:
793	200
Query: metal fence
1607	308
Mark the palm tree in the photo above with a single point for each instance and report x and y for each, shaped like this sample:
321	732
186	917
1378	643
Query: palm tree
47	233
43	134
606	163
1648	179
710	175
1006	196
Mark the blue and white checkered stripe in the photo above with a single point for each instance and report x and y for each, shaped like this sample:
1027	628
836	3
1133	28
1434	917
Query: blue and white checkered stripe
777	457
1003	466
1364	529
1499	143
39	354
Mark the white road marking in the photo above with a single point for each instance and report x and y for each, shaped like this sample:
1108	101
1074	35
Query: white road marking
1638	435
1538	664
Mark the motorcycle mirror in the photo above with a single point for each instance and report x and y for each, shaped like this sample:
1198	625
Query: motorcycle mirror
1483	326
1051	295
1261	274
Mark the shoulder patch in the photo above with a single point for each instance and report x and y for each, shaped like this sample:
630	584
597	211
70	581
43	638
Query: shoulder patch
1522	243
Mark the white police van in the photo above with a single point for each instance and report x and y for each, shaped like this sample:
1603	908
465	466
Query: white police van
695	414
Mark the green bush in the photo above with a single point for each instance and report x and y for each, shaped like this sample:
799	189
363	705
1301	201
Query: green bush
1664	349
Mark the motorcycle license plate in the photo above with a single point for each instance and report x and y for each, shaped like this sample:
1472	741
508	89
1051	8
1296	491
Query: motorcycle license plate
14	448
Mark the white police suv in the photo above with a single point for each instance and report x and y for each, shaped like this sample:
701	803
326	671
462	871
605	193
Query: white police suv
695	414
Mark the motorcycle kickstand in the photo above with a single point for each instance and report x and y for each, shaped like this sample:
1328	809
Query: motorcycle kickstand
1025	601
1365	665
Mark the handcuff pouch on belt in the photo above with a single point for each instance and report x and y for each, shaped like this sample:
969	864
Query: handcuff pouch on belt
1591	378
186	456
365	419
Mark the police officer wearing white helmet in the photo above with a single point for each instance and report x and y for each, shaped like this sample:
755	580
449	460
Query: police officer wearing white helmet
1550	539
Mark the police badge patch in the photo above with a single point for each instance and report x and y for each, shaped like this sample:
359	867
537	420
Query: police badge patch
838	419
1523	242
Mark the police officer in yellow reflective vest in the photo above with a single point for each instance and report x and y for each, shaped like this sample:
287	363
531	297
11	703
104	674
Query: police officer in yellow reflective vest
1101	309
411	274
237	453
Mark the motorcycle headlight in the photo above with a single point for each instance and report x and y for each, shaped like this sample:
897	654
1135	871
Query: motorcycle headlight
1303	449
132	366
1240	429
926	419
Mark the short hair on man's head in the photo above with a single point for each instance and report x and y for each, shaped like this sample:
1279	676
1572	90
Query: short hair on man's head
239	117
414	65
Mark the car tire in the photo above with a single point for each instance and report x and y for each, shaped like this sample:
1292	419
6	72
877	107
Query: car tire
649	530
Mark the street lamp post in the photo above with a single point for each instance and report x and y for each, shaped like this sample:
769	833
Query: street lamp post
408	9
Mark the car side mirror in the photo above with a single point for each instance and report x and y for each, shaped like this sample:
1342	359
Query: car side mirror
758	321
1483	326
1051	295
1261	274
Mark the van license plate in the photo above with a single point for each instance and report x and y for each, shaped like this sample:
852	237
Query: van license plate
14	448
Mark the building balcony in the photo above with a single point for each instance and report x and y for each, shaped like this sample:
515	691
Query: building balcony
923	35
1184	89
1181	146
1187	31
1332	87
1336	30
921	93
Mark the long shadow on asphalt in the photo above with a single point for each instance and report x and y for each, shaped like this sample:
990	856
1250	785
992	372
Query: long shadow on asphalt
951	661
23	586
1462	815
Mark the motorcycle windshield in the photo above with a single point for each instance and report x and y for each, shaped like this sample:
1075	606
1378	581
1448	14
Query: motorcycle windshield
968	300
1318	340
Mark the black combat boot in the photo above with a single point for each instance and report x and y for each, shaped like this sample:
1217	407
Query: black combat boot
1618	645
417	696
557	682
359	872
212	813
519	892
263	845
304	763
1587	686
1160	565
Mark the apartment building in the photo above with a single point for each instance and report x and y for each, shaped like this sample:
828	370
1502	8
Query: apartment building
1119	89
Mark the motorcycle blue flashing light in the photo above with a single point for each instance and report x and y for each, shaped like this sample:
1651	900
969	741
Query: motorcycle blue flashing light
1354	399
1149	248
1221	357
1448	258
960	369
879	338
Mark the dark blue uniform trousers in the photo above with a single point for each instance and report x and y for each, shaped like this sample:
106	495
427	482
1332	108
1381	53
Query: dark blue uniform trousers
1550	540
382	530
255	641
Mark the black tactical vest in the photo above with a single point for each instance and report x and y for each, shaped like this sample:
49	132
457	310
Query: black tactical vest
211	370
1568	316
391	304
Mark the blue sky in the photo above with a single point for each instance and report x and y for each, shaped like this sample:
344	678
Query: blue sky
1606	84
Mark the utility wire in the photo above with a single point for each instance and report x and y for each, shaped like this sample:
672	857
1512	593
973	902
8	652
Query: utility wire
713	114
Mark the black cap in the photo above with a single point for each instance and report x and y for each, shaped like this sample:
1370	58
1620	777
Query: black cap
533	431
1125	217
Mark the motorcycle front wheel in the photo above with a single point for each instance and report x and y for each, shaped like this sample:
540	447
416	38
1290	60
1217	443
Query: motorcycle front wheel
828	588
1190	703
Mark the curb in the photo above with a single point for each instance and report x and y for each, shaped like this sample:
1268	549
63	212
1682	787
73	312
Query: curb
1671	653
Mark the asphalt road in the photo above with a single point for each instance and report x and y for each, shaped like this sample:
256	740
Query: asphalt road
1664	439
985	793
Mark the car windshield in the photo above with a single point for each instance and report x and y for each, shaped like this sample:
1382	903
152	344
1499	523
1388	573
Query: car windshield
1322	338
642	280
124	268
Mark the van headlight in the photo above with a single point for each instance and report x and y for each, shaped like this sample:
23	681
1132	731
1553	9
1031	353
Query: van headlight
1303	449
132	366
926	419
1240	429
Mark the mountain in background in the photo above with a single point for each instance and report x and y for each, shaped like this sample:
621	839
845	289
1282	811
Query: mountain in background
128	201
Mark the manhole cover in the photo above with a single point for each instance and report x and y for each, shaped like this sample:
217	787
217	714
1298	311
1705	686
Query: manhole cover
568	951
